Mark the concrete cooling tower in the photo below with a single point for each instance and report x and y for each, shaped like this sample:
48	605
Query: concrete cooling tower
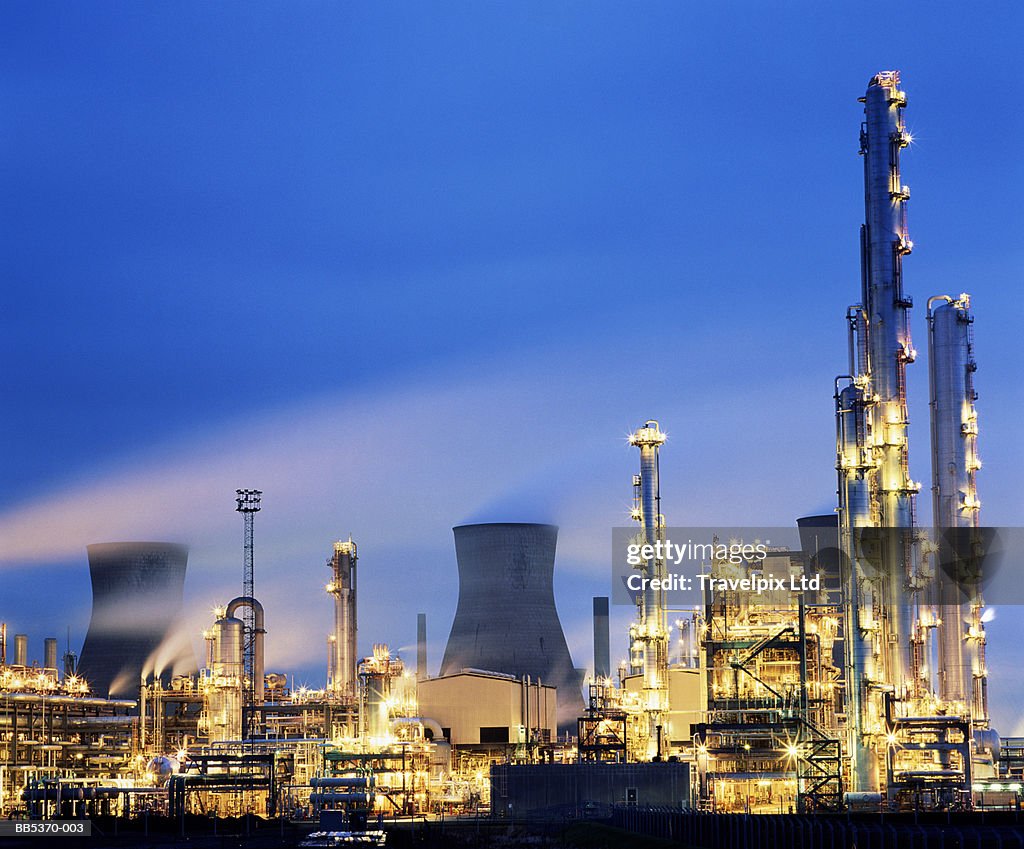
506	619
136	627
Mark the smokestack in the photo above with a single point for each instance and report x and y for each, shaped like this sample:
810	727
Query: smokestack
50	653
602	645
21	649
421	647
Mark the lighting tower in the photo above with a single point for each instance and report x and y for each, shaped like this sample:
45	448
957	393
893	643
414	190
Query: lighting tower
341	665
248	504
651	631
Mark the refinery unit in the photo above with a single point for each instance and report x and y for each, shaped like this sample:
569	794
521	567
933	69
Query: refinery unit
868	691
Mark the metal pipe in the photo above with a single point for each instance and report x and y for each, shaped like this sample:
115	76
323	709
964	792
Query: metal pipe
259	631
424	722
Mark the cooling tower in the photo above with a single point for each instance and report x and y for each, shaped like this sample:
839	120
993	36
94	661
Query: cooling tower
137	596
506	619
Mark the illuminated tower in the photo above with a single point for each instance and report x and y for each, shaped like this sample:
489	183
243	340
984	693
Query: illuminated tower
651	628
875	489
954	424
341	665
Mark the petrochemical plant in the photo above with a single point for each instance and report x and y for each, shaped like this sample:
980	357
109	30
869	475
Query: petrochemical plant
868	691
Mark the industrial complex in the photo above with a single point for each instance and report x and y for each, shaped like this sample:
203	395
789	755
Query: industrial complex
864	690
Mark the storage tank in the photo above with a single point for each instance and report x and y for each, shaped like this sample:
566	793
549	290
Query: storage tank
224	680
506	619
137	597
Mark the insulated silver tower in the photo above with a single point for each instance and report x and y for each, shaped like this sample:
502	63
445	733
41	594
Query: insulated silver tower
651	629
341	665
954	422
875	489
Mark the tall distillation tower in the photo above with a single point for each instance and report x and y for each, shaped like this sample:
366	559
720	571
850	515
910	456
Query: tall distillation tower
650	633
954	424
875	489
247	502
341	658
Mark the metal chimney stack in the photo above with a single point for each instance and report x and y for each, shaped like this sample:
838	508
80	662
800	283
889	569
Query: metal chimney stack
602	642
342	666
421	647
50	653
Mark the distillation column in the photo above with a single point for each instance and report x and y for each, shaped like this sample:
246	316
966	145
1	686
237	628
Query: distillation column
875	489
341	666
954	424
652	629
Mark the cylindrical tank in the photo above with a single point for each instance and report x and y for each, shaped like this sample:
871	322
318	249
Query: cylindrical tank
224	693
21	649
137	597
228	645
50	653
506	619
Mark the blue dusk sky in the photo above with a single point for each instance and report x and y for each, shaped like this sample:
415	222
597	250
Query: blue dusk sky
407	265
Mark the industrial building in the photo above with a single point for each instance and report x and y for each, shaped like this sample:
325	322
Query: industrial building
487	709
868	688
